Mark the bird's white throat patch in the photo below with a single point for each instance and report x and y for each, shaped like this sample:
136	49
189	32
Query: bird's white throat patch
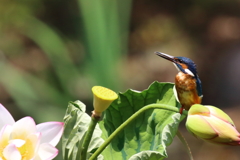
177	67
189	72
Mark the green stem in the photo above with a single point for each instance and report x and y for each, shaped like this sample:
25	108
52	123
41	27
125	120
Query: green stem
129	120
88	137
183	140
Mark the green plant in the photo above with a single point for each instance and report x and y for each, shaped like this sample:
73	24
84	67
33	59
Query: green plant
138	125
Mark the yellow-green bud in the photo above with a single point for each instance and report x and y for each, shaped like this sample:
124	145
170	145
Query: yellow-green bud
212	125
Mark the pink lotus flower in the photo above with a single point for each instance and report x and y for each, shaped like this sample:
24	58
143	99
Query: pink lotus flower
24	140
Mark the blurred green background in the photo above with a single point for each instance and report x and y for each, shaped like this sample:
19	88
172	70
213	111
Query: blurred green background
52	52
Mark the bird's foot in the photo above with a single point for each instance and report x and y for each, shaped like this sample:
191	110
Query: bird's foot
181	110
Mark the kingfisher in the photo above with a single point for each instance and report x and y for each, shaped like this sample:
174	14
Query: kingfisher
187	82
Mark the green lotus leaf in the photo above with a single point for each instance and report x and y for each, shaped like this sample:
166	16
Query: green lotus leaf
152	131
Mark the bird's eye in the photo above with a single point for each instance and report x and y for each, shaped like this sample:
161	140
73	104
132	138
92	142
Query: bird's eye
179	60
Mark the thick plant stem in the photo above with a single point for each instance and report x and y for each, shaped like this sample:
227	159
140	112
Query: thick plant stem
88	137
131	119
183	140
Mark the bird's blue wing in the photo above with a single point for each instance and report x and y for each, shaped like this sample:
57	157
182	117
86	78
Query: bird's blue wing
199	86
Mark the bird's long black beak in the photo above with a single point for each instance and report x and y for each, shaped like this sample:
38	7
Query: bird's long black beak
166	56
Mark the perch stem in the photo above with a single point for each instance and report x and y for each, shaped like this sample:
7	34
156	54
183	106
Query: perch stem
183	140
88	137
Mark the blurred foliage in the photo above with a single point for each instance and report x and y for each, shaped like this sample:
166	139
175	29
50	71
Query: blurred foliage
47	90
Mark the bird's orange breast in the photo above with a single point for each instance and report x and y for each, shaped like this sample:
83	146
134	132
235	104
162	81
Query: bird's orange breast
187	90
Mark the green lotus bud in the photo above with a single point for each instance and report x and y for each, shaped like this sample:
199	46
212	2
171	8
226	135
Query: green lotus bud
212	125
